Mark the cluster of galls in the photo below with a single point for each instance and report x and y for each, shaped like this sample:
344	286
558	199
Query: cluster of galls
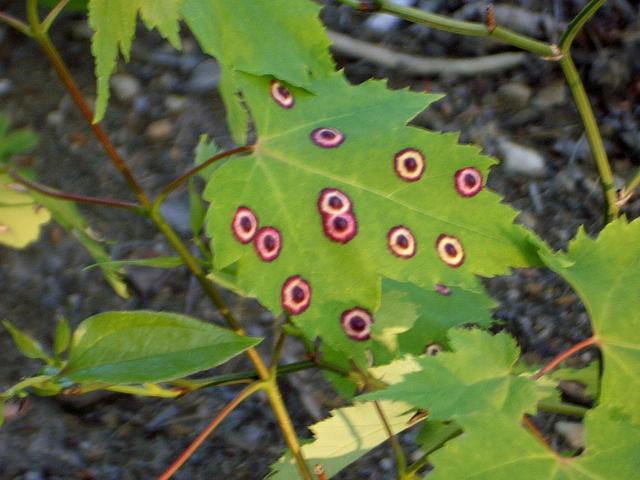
340	225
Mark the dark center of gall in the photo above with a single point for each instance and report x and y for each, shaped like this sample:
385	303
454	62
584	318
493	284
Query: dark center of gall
245	223
284	91
297	294
269	243
470	180
335	202
451	250
327	134
402	241
410	164
358	323
340	224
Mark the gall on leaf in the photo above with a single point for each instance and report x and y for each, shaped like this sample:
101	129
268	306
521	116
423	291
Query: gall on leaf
450	250
327	137
340	228
268	243
356	323
282	95
442	289
333	202
244	225
296	295
468	181
401	242
409	164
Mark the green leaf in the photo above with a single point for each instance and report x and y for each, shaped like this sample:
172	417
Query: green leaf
114	23
68	216
144	346
18	141
29	346
20	216
283	38
282	181
475	378
62	336
495	447
438	313
606	274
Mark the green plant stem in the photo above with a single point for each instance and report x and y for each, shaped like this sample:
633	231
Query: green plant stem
42	38
277	351
561	408
474	29
186	454
401	461
577	23
53	14
13	22
73	197
272	390
166	191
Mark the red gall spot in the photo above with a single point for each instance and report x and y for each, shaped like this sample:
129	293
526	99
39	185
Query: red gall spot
433	349
295	295
244	225
282	95
356	323
450	250
409	164
468	181
268	243
333	202
442	289
326	137
401	242
340	228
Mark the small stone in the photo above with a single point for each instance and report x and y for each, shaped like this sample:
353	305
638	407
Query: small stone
515	94
160	130
521	160
387	464
6	85
205	77
550	96
55	118
572	432
175	103
125	87
81	30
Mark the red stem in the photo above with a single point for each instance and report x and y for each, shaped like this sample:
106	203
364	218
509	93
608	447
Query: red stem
49	192
190	450
564	355
529	425
195	170
103	138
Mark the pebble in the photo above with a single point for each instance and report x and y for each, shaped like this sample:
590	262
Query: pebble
6	86
160	130
550	96
205	77
572	432
125	87
521	160
515	94
55	118
175	103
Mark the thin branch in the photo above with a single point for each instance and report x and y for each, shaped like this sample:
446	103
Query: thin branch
629	189
529	425
593	135
551	406
190	450
65	75
19	25
72	197
474	29
393	439
578	22
277	351
415	65
164	193
454	430
564	355
53	14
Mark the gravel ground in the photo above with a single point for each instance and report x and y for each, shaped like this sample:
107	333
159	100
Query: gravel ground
163	101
